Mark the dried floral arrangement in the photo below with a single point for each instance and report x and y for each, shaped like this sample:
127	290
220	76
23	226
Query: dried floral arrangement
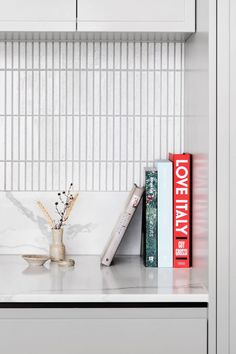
63	208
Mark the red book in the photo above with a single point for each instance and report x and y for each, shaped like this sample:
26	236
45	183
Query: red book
181	212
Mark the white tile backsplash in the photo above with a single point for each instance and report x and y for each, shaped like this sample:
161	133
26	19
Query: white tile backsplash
95	113
91	112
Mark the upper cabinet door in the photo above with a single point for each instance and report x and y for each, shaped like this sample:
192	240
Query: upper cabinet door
38	15
136	15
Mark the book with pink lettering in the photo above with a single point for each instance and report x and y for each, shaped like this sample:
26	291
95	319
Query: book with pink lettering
181	210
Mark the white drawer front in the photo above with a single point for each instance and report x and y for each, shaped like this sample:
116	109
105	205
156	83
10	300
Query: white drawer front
102	332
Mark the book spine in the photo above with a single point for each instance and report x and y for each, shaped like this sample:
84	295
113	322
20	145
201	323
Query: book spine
181	210
150	259
165	214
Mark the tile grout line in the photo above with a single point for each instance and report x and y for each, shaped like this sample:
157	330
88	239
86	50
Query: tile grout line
104	164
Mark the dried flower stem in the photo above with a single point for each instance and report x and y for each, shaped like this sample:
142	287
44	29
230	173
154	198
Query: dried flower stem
46	214
72	203
66	203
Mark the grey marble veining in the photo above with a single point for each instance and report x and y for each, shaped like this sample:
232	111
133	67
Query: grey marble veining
126	281
24	230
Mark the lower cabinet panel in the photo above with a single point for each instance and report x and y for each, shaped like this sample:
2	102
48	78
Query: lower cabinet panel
102	334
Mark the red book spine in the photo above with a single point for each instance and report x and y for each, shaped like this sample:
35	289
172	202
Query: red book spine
181	212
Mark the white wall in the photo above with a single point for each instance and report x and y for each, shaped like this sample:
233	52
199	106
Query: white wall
92	112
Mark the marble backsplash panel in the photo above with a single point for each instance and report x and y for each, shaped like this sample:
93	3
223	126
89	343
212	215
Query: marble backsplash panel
23	228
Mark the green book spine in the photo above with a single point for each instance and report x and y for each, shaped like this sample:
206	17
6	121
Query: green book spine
150	246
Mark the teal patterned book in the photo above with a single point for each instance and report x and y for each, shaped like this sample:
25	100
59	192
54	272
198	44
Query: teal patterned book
150	238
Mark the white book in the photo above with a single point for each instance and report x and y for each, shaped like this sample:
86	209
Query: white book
165	213
121	226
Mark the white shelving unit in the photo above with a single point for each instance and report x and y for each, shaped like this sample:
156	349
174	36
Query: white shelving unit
157	92
102	304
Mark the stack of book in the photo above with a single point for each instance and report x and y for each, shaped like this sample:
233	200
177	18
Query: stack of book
167	213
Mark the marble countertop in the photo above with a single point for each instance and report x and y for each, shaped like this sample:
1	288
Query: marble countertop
126	281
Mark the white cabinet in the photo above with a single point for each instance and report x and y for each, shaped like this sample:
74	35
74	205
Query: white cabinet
98	15
133	15
38	15
103	330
